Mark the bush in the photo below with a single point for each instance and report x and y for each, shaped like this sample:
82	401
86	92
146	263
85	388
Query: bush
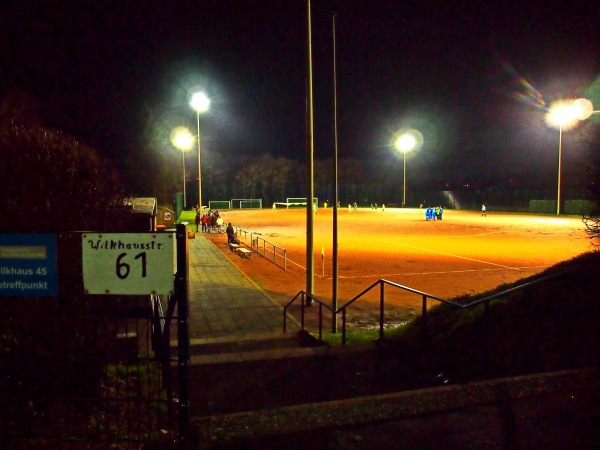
52	183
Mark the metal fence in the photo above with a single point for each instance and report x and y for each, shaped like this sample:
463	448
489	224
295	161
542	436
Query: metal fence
272	252
92	377
94	368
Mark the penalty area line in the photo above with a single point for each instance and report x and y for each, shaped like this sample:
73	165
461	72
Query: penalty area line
449	254
407	274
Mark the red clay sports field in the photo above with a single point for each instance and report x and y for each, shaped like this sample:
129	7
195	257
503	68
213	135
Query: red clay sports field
462	254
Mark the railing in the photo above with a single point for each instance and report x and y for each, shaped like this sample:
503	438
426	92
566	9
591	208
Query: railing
264	248
425	297
304	296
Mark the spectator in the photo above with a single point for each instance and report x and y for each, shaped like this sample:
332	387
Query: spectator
213	220
219	224
209	222
230	233
197	220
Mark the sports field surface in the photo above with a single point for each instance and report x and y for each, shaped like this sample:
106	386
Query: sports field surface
464	253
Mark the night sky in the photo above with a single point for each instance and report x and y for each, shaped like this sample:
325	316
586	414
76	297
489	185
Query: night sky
472	76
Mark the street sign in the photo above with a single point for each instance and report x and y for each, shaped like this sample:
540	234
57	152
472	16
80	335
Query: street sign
128	263
28	265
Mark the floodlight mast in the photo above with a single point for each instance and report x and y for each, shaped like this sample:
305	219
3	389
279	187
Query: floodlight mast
200	103
405	143
183	140
565	115
310	257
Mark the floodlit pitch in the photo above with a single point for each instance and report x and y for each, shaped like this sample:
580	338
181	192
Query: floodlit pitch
462	254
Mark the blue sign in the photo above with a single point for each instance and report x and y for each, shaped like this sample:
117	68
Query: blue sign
28	265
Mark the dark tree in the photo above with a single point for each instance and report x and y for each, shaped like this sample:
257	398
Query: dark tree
51	183
54	183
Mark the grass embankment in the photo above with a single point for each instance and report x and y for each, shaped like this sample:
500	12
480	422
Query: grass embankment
549	326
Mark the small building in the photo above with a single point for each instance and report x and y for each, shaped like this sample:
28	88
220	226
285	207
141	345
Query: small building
165	218
143	217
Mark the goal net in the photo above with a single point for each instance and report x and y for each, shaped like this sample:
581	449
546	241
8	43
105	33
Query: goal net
219	204
246	203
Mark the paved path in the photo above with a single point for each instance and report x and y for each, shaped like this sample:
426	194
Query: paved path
223	302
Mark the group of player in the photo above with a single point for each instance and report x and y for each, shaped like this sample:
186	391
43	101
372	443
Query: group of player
352	207
434	213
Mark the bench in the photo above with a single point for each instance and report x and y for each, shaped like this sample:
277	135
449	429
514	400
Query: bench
233	247
244	253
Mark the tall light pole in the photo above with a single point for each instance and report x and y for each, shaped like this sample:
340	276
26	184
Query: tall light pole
183	140
566	115
200	103
407	141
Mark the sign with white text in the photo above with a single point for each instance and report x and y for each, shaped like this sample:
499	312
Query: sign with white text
128	263
28	265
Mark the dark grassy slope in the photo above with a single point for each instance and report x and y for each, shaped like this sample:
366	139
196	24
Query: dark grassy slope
549	326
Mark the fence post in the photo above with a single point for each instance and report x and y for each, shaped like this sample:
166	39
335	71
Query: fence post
320	322
183	338
486	324
302	308
344	326
424	316
381	307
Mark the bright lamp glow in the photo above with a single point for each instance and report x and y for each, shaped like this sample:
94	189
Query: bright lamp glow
182	138
408	140
564	114
200	102
405	143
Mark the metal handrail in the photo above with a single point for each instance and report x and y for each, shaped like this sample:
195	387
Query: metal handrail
254	245
305	296
425	296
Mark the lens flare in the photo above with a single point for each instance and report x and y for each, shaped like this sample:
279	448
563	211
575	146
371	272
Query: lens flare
522	90
584	108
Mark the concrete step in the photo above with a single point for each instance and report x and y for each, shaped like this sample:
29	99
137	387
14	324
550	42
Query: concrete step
276	377
250	347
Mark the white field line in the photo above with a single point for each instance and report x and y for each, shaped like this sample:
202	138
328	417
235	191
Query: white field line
432	251
407	274
449	254
295	263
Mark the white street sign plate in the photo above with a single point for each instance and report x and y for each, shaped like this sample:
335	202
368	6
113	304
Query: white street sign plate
128	263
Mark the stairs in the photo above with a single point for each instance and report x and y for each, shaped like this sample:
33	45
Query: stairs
280	391
250	347
245	373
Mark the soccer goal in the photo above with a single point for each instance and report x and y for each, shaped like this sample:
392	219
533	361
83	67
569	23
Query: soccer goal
246	203
219	204
299	201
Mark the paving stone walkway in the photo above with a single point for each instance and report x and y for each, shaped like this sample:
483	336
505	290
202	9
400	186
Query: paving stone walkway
223	302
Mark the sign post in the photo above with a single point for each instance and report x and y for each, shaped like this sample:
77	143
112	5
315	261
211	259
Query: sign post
128	263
